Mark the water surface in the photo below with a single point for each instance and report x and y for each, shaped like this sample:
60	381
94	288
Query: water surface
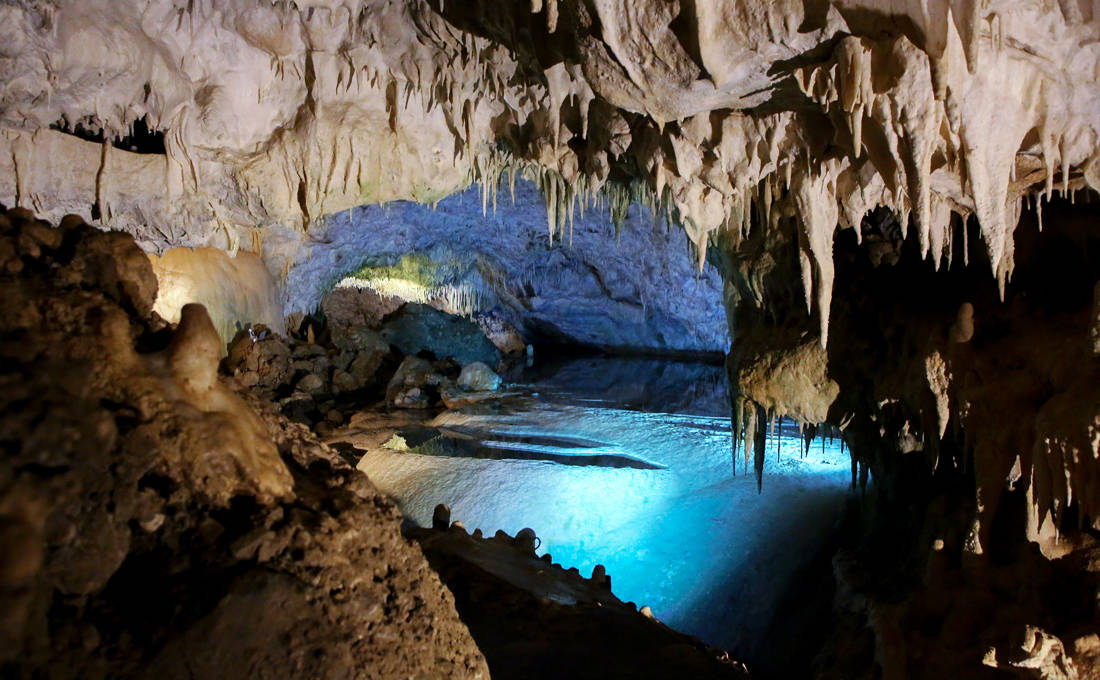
675	527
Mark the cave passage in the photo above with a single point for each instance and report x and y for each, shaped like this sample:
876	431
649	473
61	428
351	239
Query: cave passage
698	545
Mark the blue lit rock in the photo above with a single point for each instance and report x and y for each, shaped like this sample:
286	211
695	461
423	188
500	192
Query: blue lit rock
418	328
638	290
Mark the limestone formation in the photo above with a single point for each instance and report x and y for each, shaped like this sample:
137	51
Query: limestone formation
239	290
901	197
822	110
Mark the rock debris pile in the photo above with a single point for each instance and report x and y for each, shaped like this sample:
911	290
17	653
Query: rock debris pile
321	377
159	520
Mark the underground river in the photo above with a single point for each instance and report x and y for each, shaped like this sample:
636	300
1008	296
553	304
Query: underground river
627	463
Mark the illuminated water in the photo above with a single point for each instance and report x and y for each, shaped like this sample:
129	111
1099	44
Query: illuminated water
707	553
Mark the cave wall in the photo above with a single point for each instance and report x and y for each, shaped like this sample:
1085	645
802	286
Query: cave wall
236	291
631	287
973	426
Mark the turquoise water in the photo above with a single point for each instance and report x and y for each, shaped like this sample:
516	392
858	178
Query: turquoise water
696	543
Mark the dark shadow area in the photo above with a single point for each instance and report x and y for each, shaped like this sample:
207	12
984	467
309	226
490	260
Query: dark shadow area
142	139
525	636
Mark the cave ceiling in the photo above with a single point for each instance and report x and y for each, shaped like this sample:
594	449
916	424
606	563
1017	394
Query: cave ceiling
243	124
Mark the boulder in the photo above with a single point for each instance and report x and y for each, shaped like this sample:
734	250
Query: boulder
342	381
260	358
477	377
416	328
365	365
358	338
307	350
501	333
416	384
300	408
347	307
311	383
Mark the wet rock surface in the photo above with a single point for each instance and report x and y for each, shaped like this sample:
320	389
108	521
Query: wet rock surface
158	520
471	442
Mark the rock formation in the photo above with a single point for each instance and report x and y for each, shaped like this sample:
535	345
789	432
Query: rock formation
159	522
901	194
976	421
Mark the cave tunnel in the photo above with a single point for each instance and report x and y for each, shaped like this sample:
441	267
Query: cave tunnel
550	340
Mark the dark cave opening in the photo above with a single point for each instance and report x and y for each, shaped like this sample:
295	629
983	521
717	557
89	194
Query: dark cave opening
141	138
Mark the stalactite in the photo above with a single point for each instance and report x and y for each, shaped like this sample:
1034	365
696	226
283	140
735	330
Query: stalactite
737	421
808	432
760	440
779	442
749	431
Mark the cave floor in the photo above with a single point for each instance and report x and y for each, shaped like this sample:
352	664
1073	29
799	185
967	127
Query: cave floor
677	532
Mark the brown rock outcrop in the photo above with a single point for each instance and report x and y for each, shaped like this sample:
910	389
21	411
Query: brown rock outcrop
158	522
